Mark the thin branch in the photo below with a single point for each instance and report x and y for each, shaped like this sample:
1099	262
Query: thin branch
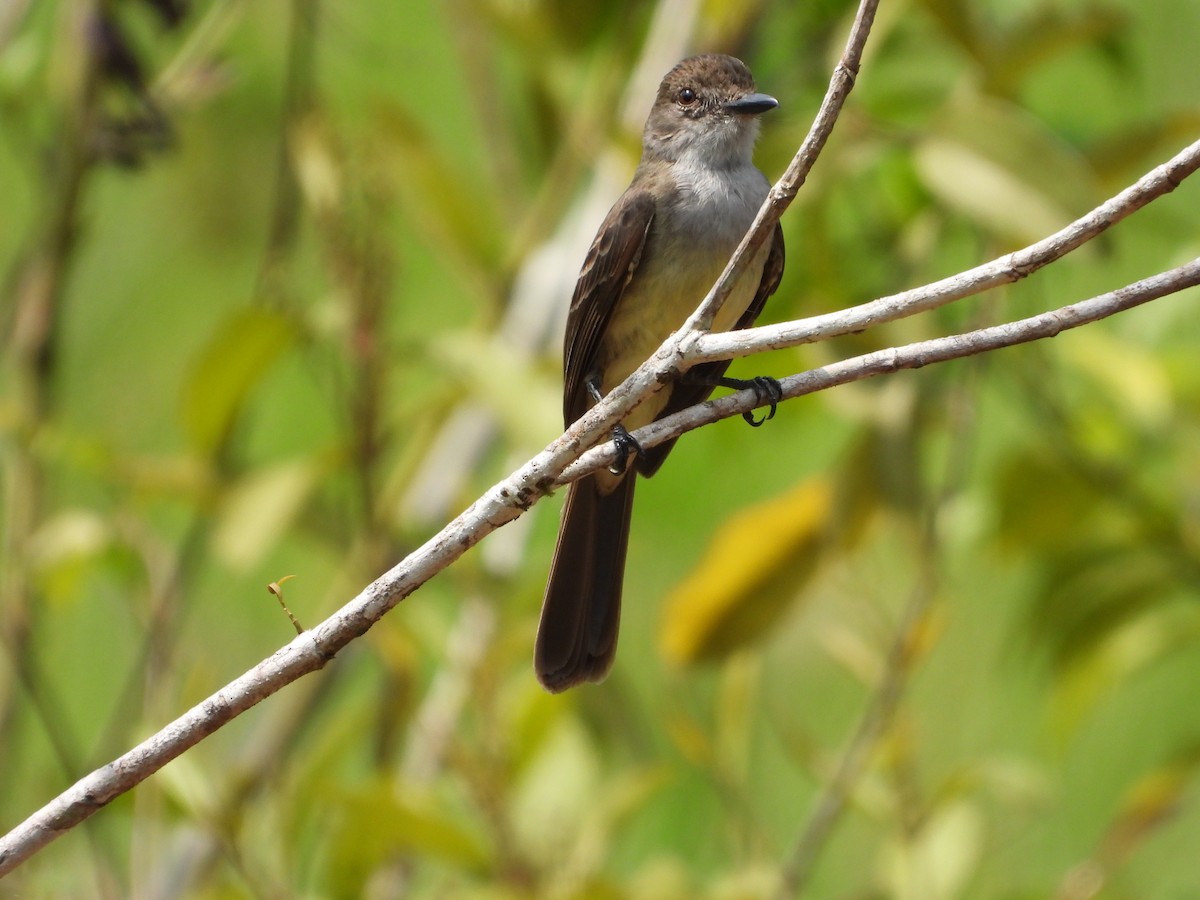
909	356
784	191
1003	270
853	760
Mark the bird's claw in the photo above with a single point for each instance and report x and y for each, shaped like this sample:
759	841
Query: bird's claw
627	446
766	390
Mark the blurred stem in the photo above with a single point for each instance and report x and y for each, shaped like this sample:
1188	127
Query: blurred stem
878	718
298	101
36	282
474	39
362	267
906	649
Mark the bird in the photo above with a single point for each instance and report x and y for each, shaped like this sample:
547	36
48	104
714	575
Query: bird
656	255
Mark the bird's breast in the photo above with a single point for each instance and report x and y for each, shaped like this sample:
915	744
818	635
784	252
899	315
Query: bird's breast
695	231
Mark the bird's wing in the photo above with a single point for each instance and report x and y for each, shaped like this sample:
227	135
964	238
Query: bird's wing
610	263
700	379
772	274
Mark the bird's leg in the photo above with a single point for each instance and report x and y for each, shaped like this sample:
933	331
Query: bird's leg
627	445
767	390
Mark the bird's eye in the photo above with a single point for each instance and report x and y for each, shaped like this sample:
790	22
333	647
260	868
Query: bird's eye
687	97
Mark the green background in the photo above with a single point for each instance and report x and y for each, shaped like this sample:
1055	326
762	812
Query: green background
279	252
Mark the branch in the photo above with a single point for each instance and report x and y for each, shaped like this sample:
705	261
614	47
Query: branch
502	503
881	362
784	192
1003	270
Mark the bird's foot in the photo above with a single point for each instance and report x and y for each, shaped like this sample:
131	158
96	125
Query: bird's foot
627	447
767	390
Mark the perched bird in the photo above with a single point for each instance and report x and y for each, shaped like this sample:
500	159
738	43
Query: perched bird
656	255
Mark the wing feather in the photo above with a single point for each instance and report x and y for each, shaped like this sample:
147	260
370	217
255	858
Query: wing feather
610	263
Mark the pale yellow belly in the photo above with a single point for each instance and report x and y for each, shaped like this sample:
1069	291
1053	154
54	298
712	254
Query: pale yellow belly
654	305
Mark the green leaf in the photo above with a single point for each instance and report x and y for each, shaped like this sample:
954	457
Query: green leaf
523	397
258	510
1117	654
380	822
996	164
1092	595
228	369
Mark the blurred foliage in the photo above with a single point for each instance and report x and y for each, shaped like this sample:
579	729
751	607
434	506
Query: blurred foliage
271	307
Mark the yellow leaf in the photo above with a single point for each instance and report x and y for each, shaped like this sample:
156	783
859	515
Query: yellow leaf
751	571
490	368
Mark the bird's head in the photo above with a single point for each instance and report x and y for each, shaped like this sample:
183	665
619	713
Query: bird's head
706	107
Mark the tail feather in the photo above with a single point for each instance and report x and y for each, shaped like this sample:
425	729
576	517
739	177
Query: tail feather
581	612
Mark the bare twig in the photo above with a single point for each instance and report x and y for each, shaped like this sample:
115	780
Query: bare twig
499	505
784	191
910	356
1006	269
853	760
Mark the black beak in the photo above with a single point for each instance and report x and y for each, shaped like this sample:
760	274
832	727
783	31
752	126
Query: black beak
751	104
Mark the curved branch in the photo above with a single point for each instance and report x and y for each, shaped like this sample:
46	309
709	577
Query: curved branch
784	191
1006	269
909	356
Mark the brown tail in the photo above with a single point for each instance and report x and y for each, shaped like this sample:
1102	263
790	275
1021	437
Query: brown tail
577	636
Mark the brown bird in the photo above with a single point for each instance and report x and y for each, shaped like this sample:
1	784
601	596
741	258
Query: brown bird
656	255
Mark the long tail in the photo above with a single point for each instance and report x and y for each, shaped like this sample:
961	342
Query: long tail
577	636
